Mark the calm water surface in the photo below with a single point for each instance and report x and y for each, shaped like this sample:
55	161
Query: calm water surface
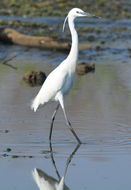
99	107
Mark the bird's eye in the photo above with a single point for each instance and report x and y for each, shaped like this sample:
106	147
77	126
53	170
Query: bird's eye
77	12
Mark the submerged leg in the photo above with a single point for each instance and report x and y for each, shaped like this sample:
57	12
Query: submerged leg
52	121
67	121
71	128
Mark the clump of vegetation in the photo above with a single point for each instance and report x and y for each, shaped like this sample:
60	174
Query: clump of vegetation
34	78
104	8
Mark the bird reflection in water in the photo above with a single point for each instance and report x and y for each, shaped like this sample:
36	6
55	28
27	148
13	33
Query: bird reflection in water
46	182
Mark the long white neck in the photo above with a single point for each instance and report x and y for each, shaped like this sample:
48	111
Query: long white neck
73	55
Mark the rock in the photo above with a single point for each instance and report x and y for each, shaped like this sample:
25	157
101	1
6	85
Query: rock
5	155
34	78
103	42
98	48
91	38
8	150
4	131
83	68
15	156
129	50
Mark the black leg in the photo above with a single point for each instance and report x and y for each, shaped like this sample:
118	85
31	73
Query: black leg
71	128
52	121
73	132
61	100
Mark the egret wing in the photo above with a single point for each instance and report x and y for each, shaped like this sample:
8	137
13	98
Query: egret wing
53	84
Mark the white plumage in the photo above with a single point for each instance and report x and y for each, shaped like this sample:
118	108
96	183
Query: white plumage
56	82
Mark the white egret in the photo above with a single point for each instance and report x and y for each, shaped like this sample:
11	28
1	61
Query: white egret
60	80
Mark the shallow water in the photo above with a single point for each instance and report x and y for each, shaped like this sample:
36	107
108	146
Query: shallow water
99	107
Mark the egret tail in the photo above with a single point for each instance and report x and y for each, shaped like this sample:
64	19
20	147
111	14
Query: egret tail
35	104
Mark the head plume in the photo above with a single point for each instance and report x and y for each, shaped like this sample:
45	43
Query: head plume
65	22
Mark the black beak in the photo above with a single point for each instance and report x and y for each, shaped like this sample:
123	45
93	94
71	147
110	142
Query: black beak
91	16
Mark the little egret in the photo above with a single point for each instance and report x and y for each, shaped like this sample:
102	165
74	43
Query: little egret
60	80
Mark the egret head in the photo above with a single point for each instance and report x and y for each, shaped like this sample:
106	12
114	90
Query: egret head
76	12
